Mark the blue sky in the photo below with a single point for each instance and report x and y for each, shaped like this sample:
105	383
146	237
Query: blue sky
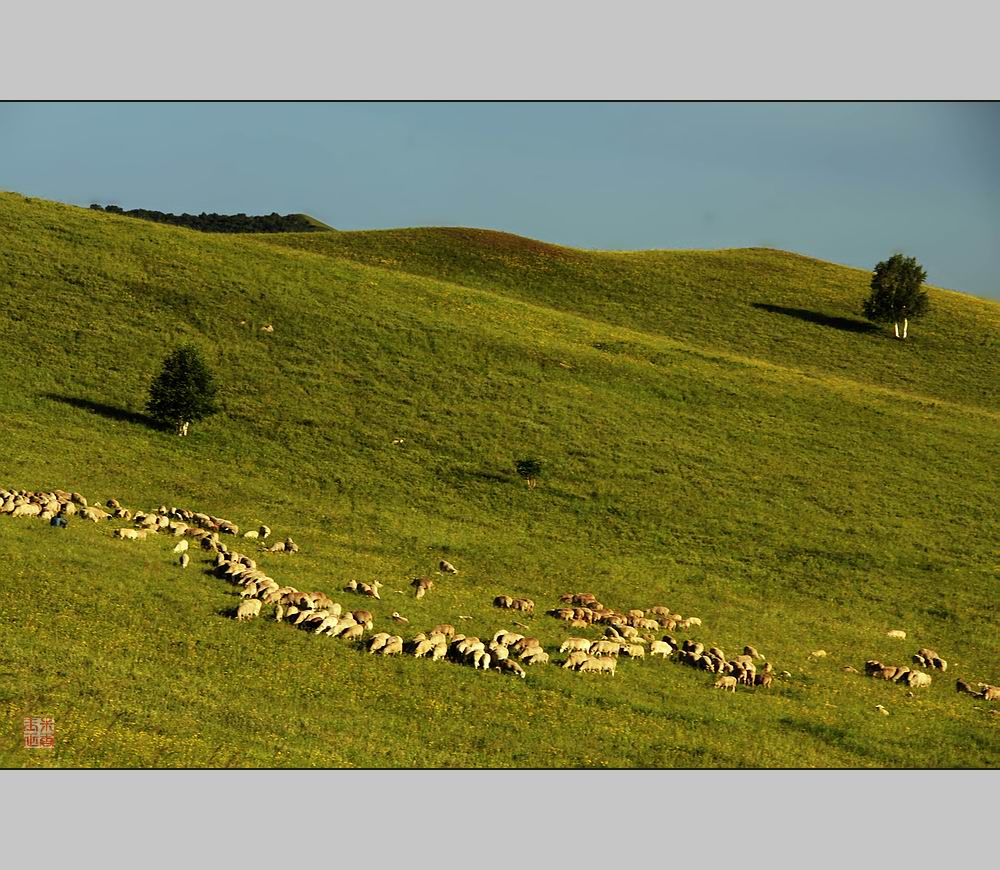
846	182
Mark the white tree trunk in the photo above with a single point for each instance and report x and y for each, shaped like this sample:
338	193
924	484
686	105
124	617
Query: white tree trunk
906	323
896	327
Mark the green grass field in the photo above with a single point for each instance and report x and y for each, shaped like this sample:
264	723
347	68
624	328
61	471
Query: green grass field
720	431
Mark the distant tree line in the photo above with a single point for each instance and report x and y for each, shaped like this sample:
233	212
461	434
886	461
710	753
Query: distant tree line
221	223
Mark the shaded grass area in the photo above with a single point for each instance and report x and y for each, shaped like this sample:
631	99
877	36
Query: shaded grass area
102	409
848	324
791	506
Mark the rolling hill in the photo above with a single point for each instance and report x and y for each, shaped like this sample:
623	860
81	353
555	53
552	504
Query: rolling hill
720	432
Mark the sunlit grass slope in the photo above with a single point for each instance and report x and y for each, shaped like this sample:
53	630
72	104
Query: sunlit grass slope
794	480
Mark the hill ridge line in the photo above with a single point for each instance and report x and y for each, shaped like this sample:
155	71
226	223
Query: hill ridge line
710	354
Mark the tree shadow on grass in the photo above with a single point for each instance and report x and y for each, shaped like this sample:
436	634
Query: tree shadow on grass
848	324
102	410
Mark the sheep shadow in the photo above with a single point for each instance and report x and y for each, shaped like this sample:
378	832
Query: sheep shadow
847	324
109	412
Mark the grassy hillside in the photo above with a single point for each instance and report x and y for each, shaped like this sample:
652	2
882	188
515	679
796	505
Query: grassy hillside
793	479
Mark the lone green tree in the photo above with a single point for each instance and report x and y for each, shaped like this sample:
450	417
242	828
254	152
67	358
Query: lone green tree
183	392
530	470
896	296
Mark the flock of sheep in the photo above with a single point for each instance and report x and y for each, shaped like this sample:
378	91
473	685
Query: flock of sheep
627	634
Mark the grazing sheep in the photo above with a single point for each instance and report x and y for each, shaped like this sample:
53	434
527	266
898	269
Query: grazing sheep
896	633
525	605
881	709
750	651
575	643
447	567
694	647
181	547
277	547
364	617
591	665
327	624
726	683
184	560
535	657
130	534
424	647
252	535
393	646
440	651
634	651
917	679
575	659
397	617
605	648
989	693
660	648
370	589
481	658
764	680
962	686
503	601
522	644
353	632
248	609
421	586
378	641
818	654
445	628
509	666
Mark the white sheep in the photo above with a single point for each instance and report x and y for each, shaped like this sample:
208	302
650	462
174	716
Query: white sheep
181	547
424	647
393	647
184	560
355	632
378	641
575	659
660	648
575	643
896	633
248	609
600	665
605	648
447	567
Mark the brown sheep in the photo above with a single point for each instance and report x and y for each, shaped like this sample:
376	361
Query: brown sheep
421	586
726	683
